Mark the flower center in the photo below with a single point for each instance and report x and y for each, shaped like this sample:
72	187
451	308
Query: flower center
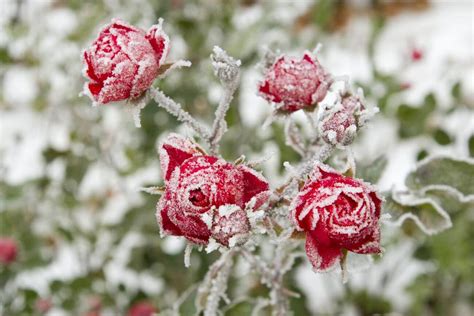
198	198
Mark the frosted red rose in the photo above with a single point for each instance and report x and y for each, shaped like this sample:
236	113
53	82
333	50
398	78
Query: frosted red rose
295	84
206	196
337	213
339	124
8	250
123	61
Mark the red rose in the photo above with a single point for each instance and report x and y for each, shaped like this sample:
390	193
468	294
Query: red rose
142	309
8	250
337	213
205	196
123	61
295	84
339	124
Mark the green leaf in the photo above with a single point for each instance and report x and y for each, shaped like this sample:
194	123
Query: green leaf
444	171
372	172
413	120
441	137
456	91
425	212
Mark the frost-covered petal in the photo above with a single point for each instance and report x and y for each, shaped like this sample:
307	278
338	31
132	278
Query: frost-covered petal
174	150
160	42
371	244
322	257
166	225
255	185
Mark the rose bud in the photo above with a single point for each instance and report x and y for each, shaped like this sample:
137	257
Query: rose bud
8	250
205	195
123	61
338	214
294	84
142	309
339	124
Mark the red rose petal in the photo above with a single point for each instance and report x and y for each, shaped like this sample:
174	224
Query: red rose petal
322	257
254	184
173	152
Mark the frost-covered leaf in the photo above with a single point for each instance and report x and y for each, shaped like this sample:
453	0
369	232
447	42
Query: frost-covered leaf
427	213
444	171
372	172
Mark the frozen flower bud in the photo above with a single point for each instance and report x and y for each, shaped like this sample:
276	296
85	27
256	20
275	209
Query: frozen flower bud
294	84
8	250
226	68
197	186
142	309
337	213
123	61
340	122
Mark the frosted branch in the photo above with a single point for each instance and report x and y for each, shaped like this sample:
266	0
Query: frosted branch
181	115
227	69
320	156
293	137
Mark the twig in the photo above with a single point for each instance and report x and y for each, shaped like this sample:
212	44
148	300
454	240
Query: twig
176	109
293	137
227	69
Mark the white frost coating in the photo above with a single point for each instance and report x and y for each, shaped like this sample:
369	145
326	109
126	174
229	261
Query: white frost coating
212	245
411	200
227	69
175	65
161	33
207	218
441	187
187	255
152	190
228	209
